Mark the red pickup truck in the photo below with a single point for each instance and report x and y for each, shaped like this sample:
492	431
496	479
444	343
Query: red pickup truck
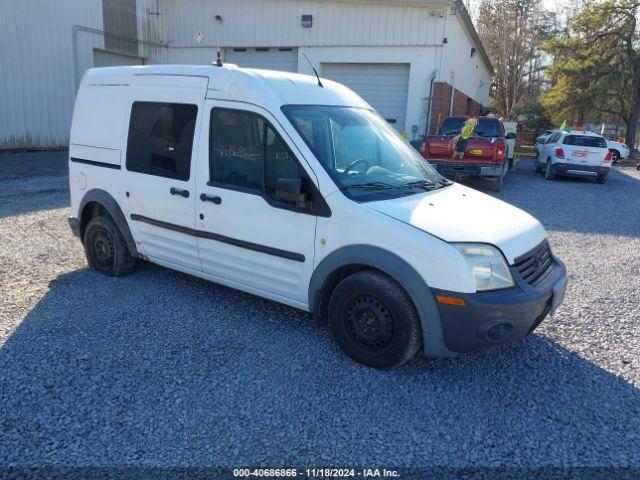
485	155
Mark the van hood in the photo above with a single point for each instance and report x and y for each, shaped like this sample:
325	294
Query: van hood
460	214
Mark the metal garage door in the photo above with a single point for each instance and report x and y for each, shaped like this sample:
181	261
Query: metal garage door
383	85
285	59
102	58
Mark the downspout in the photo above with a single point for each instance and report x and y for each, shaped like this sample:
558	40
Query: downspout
74	45
453	92
429	106
435	72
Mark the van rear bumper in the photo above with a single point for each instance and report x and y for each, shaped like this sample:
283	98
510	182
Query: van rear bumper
449	169
493	318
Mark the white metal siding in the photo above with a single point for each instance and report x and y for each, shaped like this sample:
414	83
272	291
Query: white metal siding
384	86
37	84
277	23
102	58
285	59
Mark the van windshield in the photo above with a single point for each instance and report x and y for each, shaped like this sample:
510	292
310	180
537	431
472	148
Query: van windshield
363	154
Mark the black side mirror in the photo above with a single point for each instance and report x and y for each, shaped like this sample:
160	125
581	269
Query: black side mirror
510	136
290	190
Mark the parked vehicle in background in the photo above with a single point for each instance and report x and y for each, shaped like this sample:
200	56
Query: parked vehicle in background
298	191
578	154
511	128
540	140
618	150
486	153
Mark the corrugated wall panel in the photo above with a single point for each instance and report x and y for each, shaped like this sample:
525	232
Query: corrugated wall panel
37	85
37	75
276	23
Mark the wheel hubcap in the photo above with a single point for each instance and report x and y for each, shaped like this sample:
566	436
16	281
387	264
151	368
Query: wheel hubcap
103	248
369	322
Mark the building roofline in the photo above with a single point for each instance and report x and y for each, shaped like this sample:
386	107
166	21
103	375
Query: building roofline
420	3
466	18
457	4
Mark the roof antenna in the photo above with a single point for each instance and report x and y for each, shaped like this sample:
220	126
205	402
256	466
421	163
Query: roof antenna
218	59
314	70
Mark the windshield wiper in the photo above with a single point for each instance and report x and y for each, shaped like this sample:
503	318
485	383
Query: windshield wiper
426	184
369	185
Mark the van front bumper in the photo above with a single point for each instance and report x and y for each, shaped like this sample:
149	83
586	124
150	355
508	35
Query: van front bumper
449	169
497	317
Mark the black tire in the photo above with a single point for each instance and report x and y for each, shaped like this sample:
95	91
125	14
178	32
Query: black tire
374	321
539	166
495	184
615	156
106	249
601	179
548	171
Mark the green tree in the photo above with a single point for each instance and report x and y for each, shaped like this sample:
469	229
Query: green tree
597	65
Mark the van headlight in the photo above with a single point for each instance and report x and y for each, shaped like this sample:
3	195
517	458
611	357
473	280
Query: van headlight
487	266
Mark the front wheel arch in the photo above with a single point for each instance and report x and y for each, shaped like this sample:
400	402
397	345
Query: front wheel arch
356	258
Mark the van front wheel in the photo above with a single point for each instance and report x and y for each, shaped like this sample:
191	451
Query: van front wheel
374	321
105	247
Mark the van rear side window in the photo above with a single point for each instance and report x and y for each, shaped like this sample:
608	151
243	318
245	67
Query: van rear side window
161	139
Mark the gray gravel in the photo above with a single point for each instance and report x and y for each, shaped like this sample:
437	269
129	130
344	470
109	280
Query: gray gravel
161	369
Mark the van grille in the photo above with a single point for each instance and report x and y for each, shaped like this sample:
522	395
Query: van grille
535	265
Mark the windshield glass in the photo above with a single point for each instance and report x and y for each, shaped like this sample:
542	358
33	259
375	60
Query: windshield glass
485	127
452	126
362	153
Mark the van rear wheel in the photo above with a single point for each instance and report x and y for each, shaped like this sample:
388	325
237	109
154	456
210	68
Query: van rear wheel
106	249
374	321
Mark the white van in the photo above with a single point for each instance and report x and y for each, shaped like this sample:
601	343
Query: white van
296	190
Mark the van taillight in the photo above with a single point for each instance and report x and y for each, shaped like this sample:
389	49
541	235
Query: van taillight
424	150
500	152
559	153
608	158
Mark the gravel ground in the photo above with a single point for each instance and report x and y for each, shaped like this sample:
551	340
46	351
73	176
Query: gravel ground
161	369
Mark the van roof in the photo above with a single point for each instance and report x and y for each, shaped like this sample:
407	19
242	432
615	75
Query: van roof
262	87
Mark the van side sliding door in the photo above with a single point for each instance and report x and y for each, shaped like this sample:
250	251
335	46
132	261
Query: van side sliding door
158	192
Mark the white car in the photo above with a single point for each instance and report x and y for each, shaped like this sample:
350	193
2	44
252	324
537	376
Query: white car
578	154
618	150
540	140
293	188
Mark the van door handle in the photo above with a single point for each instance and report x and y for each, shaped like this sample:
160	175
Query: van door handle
206	198
182	193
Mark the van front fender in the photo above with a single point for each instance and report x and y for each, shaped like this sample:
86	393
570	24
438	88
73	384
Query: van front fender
396	268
